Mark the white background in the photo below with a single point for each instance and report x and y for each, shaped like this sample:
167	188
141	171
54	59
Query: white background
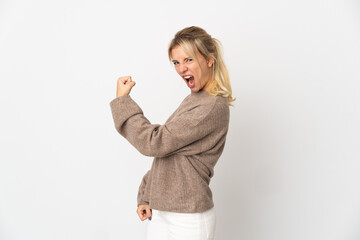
290	168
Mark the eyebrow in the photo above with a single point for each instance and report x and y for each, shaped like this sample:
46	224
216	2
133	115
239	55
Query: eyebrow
174	60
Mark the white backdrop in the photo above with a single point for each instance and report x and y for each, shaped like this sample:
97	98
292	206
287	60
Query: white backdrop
290	168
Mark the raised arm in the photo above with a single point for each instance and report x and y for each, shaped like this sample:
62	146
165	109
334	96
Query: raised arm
183	134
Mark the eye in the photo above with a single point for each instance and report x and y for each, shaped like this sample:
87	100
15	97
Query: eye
189	60
175	63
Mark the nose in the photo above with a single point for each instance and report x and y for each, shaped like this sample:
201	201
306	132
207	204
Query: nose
183	68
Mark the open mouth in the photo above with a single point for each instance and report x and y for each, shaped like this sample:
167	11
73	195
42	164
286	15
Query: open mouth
189	77
190	80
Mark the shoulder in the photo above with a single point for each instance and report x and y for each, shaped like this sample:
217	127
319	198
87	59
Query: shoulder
220	109
205	107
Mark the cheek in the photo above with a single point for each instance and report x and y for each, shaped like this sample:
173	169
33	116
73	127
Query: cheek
196	71
198	76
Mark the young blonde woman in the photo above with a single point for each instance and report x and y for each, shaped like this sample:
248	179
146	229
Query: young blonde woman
174	194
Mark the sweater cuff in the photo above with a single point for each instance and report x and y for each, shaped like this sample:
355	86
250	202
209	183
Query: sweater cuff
142	203
122	108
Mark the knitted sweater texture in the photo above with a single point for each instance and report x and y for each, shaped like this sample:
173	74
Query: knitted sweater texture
185	150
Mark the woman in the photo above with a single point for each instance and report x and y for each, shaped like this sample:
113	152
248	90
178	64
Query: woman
175	194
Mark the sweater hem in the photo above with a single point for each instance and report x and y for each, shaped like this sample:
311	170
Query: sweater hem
177	210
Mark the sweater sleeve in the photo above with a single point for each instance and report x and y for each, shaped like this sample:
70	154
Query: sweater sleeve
175	136
144	188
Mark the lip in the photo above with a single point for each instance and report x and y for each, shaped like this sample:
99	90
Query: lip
183	76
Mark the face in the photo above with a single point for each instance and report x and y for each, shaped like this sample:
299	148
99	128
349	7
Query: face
196	77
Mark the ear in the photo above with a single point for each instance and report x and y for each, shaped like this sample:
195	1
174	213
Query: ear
210	62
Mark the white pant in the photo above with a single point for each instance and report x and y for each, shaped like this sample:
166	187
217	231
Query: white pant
181	226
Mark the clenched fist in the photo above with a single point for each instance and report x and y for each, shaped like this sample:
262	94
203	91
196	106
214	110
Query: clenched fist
144	212
124	86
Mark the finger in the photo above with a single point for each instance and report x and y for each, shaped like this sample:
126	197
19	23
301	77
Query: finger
125	79
129	81
148	213
130	84
142	218
121	80
140	212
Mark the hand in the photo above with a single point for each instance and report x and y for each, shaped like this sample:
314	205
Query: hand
124	86
144	212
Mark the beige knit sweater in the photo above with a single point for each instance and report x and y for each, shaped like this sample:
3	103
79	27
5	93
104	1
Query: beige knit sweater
185	150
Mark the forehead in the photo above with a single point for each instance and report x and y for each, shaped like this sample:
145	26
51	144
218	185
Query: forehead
178	53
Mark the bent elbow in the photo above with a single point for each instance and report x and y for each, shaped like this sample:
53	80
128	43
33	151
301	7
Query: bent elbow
152	152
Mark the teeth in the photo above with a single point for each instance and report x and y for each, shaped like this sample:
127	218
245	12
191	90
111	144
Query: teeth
187	77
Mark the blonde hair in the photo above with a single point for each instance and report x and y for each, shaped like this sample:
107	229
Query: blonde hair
192	39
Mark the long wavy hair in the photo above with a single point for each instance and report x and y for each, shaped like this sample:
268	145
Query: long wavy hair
195	39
